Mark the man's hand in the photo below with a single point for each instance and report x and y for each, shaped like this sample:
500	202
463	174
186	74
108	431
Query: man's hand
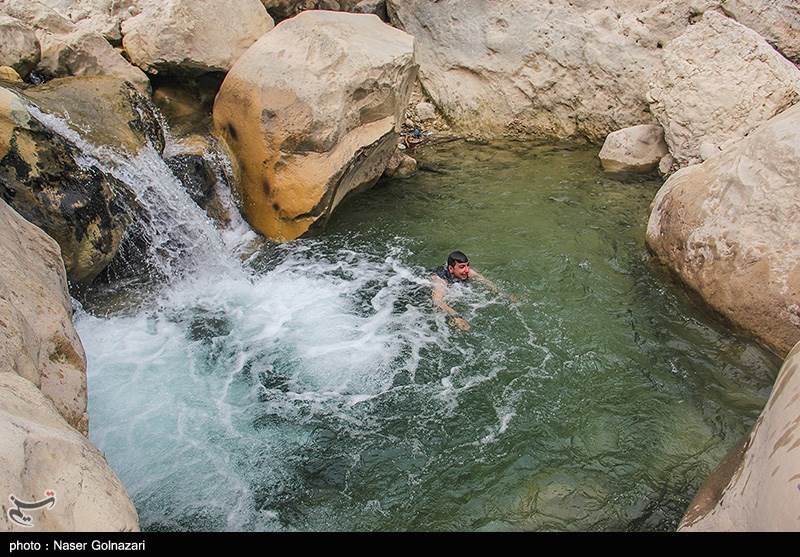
461	323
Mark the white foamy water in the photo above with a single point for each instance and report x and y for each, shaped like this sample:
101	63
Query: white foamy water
207	395
227	366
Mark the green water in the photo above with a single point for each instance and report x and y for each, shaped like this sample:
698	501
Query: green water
315	387
620	396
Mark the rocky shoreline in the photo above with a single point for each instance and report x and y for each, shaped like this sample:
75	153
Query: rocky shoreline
314	101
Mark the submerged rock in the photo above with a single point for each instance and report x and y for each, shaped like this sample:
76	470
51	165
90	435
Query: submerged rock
311	113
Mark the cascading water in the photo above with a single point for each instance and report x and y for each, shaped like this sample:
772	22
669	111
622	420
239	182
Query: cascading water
312	385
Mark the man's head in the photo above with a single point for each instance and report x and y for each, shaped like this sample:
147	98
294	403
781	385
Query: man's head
458	265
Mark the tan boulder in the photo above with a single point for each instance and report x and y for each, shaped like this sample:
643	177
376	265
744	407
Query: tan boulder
86	53
37	339
7	73
717	82
728	229
42	458
757	489
311	113
635	149
178	37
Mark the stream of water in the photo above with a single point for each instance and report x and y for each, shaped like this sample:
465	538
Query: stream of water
312	386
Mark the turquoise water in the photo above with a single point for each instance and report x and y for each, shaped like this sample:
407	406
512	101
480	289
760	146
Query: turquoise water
312	386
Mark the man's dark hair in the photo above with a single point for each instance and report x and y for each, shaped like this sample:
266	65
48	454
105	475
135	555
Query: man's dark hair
456	257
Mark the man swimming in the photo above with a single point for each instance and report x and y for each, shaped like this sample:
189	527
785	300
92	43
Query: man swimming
457	270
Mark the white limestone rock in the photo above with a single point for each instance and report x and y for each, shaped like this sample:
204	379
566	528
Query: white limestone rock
718	82
635	149
175	37
728	229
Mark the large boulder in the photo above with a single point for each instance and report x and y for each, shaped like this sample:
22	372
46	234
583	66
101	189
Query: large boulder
37	339
44	452
778	21
49	179
757	488
42	458
717	82
19	48
728	229
557	69
178	37
313	112
67	50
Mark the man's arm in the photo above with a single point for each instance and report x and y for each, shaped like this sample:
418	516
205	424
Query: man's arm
439	290
482	279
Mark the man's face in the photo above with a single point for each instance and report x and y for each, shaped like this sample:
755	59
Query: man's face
460	270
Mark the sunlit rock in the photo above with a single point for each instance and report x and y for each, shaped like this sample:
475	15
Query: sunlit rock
757	488
547	69
311	113
635	149
175	37
717	82
728	229
68	50
100	16
41	458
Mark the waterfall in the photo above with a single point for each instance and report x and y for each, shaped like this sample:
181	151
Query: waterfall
181	239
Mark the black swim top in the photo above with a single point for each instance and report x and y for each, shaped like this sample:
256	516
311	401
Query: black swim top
444	273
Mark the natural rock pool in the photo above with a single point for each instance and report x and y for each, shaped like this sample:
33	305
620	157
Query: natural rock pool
312	386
